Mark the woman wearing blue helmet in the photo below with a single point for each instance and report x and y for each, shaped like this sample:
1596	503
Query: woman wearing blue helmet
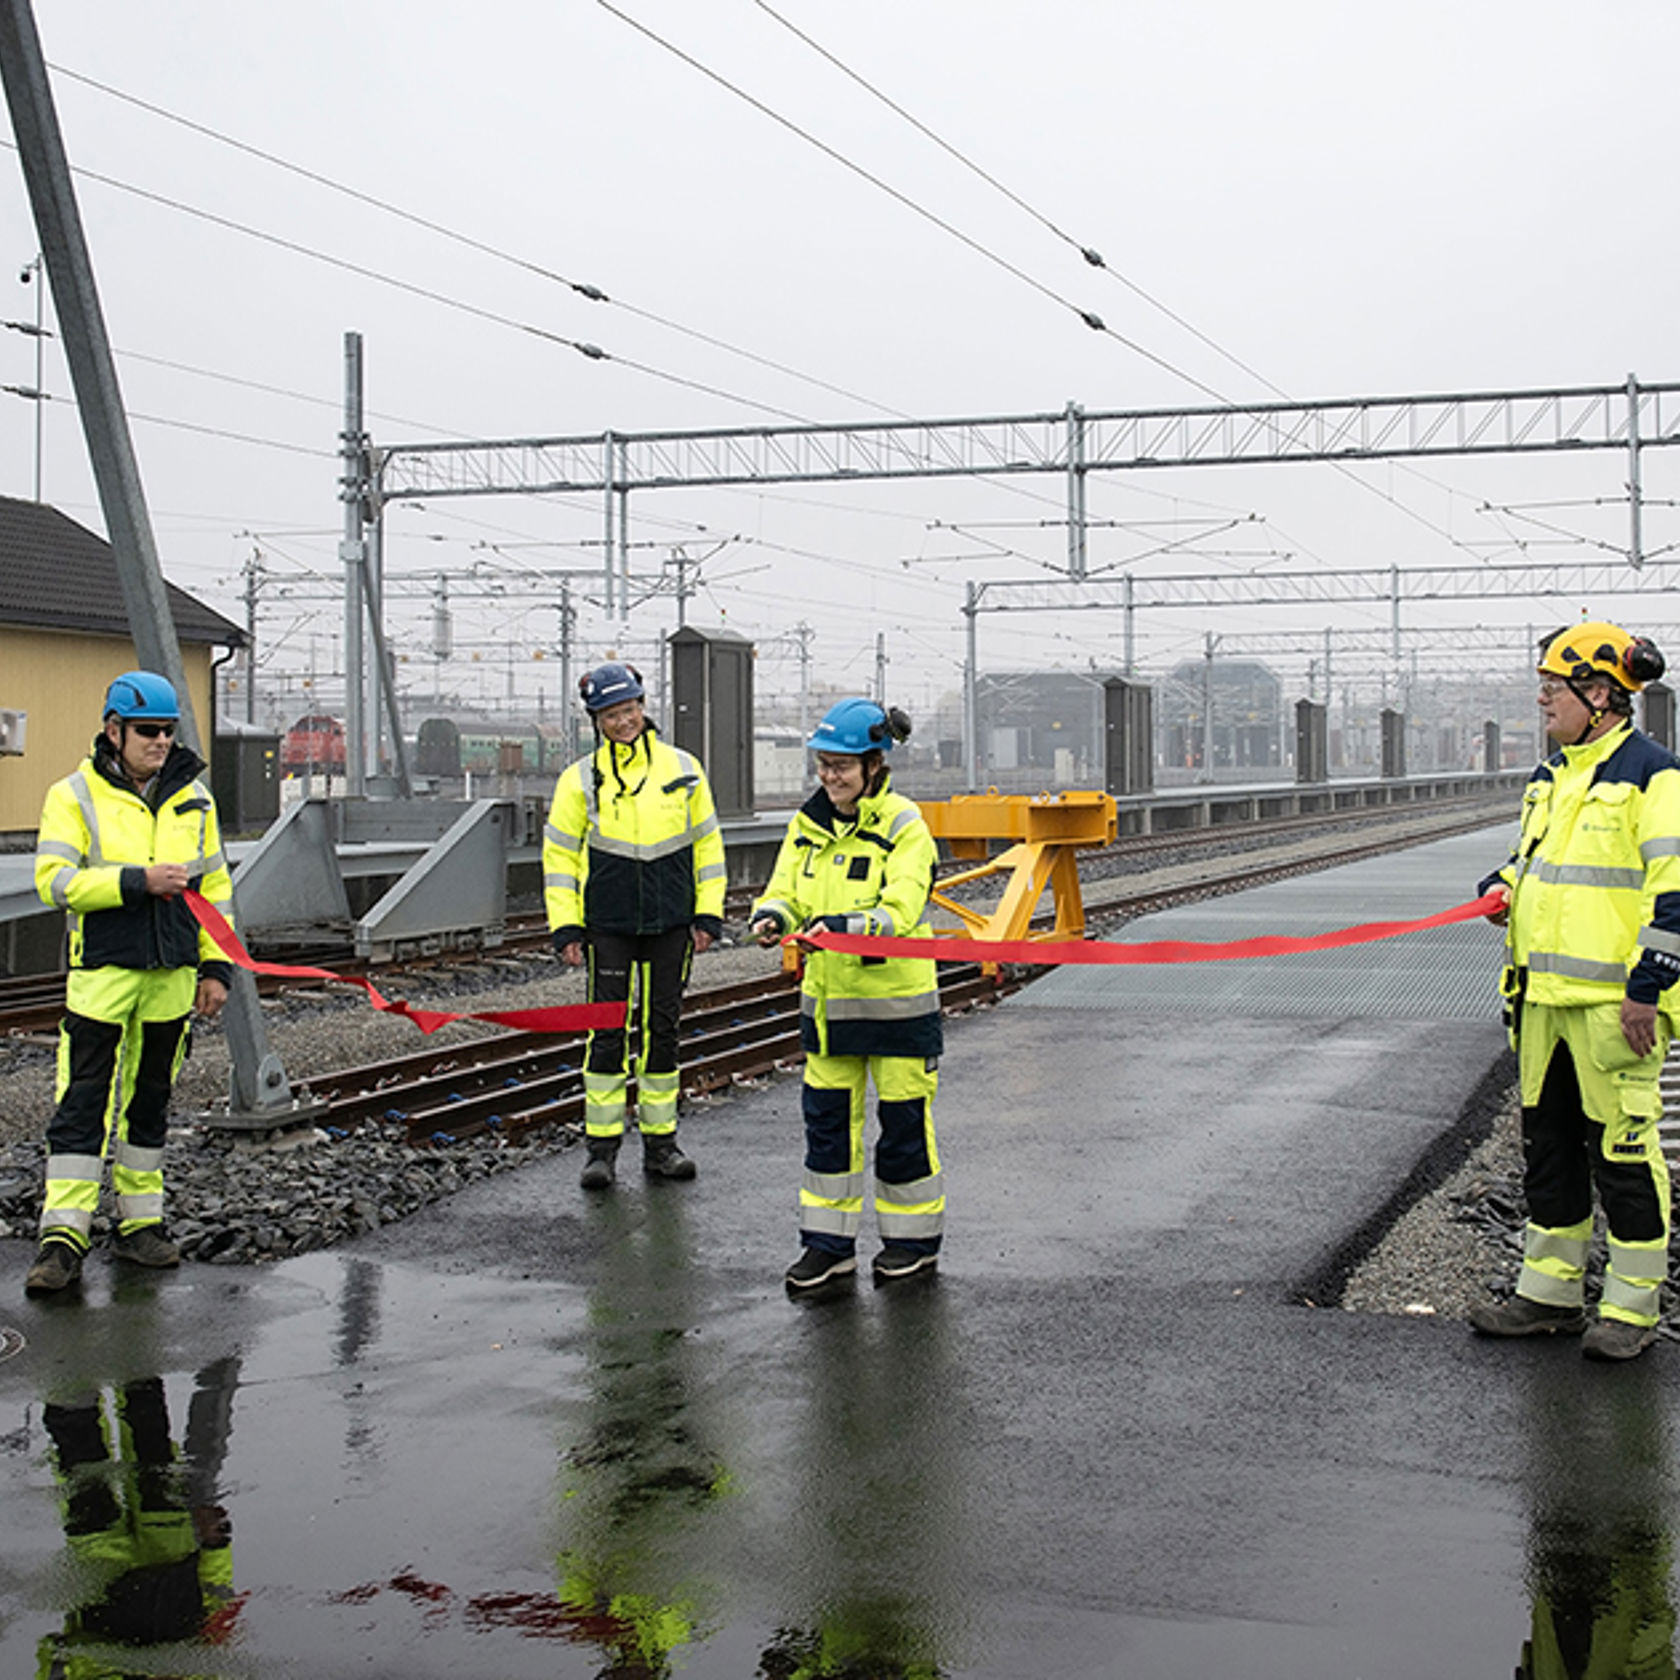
858	858
633	881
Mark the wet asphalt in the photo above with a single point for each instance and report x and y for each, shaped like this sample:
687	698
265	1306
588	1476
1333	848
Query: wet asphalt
530	1433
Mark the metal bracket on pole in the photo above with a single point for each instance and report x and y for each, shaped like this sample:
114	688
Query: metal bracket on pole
290	883
455	897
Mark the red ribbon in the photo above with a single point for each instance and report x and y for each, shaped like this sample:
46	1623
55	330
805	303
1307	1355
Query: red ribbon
1083	951
575	1017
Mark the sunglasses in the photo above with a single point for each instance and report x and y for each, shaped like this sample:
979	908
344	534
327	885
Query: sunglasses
152	730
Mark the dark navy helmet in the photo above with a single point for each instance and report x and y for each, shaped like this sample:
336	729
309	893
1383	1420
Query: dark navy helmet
609	684
142	694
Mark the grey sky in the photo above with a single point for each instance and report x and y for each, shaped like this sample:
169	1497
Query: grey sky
1352	199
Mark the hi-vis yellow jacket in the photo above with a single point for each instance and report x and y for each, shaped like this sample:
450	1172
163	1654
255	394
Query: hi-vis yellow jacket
632	844
97	836
872	876
1595	878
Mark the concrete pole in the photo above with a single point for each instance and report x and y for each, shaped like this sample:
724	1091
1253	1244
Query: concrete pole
805	634
568	690
609	547
971	687
1207	710
253	570
1636	534
1076	490
353	552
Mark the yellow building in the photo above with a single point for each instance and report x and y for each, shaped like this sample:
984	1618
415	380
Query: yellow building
64	634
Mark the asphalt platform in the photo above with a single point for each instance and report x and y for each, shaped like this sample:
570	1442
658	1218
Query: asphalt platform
1121	1433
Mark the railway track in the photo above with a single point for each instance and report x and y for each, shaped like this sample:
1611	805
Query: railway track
512	1083
518	1081
32	1004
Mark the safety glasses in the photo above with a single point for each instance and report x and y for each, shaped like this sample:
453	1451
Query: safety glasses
152	730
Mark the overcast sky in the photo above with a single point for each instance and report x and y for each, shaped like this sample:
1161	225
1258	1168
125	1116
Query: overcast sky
1372	199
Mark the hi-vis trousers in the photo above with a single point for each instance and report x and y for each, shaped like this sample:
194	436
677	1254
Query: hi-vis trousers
120	1046
1589	1116
909	1187
647	971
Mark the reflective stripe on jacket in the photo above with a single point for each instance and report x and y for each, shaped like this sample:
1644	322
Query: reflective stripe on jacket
632	844
98	835
877	873
1595	878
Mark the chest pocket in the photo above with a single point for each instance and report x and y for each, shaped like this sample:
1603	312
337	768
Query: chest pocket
188	819
1602	828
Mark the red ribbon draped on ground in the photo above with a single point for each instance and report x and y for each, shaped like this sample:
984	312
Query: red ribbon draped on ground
1091	951
575	1017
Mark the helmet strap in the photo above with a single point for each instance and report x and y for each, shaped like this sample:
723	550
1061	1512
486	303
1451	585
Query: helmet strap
1595	714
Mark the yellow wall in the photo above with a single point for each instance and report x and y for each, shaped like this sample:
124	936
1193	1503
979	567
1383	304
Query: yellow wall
59	678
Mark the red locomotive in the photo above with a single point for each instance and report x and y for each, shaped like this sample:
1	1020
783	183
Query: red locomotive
313	746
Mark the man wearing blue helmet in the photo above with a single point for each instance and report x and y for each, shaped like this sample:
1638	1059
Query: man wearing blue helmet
633	880
858	858
120	840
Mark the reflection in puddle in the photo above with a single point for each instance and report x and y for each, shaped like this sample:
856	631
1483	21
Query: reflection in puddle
151	1546
1599	1550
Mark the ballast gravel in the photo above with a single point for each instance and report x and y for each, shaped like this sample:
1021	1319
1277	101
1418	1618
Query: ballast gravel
230	1203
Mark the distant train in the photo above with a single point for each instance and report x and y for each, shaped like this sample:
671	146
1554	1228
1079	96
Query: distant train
313	746
445	748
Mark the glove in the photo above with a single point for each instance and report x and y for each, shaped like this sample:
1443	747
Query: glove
832	924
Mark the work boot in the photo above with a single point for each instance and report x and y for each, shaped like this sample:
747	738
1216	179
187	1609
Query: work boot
662	1159
1522	1317
895	1262
1615	1338
817	1266
147	1245
57	1266
600	1171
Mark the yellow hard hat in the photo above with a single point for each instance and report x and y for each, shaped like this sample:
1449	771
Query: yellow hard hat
1581	652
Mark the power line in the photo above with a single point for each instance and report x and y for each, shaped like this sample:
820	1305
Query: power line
592	352
1095	259
1092	256
582	288
181	425
1092	320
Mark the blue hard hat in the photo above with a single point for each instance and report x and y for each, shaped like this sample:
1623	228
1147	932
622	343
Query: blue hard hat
609	684
857	726
141	694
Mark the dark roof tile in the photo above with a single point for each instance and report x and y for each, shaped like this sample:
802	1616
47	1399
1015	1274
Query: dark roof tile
57	575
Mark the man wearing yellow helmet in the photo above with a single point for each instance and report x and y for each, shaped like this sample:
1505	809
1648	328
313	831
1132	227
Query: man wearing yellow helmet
1592	902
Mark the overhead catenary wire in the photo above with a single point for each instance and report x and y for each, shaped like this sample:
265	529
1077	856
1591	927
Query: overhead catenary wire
592	352
1094	259
1090	254
1091	319
582	288
180	425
